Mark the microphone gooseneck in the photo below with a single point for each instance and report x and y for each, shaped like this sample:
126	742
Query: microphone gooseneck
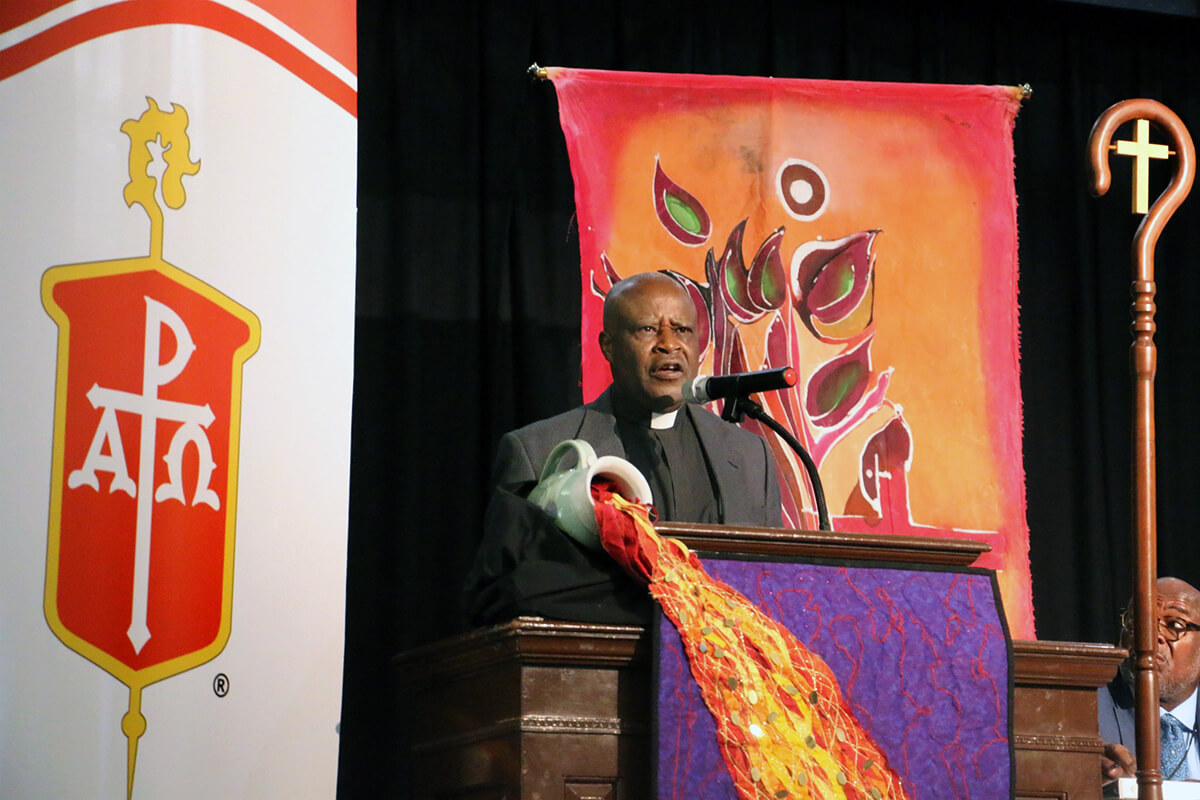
735	390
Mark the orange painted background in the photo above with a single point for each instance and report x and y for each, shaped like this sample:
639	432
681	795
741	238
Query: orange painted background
930	169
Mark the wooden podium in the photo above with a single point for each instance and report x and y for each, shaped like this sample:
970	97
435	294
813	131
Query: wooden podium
542	709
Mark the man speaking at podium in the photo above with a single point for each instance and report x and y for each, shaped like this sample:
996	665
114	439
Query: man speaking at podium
1177	663
699	468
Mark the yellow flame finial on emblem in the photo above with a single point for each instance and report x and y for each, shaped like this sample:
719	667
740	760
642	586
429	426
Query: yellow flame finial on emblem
169	129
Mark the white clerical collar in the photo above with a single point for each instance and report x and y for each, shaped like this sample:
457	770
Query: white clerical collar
1185	712
663	421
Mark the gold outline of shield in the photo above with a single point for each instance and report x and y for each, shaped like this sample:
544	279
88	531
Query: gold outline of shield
133	724
96	269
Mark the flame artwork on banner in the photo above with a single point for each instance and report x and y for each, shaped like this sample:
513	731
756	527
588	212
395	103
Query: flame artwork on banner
862	233
139	572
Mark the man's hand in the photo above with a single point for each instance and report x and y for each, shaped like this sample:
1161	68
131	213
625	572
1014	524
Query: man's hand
1117	762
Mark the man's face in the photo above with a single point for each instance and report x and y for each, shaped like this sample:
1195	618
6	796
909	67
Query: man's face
650	343
1177	661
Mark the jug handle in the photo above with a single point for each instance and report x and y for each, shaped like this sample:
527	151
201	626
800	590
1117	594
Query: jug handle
583	452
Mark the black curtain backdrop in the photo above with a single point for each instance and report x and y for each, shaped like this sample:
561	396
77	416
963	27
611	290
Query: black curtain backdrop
468	279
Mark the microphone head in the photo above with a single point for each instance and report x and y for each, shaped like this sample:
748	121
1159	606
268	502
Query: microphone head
695	391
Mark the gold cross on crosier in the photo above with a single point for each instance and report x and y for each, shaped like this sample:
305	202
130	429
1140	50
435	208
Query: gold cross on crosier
1142	151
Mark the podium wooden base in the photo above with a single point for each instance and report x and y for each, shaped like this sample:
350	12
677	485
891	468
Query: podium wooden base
542	710
538	709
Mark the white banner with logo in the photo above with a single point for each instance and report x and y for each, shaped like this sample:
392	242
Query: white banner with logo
177	256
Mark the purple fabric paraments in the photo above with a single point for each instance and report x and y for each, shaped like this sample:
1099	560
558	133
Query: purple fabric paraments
922	657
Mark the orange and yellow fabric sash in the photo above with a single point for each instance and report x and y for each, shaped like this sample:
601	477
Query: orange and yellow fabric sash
783	726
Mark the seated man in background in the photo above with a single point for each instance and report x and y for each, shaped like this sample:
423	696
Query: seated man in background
1177	664
699	468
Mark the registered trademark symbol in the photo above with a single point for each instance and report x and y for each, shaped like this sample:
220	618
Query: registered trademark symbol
221	684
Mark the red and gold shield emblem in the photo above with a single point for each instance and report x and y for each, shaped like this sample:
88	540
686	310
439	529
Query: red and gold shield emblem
139	575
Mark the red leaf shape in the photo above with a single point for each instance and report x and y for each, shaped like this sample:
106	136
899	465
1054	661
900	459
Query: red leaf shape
679	211
768	282
838	385
734	279
830	279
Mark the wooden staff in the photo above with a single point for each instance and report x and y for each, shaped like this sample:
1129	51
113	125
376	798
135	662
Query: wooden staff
1143	363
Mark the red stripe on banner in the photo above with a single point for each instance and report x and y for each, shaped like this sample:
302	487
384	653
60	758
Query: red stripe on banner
329	24
201	13
14	14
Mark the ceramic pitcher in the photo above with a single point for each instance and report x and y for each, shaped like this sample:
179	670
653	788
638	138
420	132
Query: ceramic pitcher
565	492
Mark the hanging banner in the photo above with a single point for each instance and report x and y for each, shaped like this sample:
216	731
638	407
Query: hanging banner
177	307
862	233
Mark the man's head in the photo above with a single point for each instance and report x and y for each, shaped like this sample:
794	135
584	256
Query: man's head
650	341
1177	659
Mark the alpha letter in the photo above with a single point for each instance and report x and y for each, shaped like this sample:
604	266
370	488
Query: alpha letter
107	431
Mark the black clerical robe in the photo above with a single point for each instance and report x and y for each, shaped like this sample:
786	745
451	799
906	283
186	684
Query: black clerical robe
526	565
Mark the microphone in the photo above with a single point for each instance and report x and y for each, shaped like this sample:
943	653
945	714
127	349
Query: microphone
707	388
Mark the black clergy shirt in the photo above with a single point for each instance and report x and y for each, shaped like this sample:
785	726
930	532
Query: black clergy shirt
673	462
